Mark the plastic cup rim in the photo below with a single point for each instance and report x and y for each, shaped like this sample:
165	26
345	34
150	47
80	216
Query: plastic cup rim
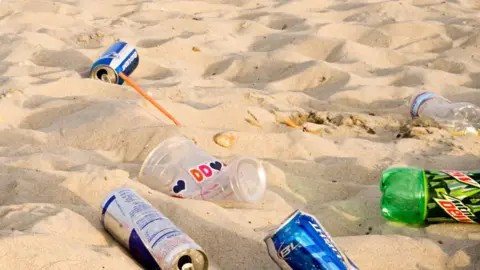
240	192
162	143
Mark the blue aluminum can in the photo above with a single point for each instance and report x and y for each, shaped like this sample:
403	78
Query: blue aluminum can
302	243
120	57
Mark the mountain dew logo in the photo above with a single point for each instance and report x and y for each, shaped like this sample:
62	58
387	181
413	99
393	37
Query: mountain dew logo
455	208
461	177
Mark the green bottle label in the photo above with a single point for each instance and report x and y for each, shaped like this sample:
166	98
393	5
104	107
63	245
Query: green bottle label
454	196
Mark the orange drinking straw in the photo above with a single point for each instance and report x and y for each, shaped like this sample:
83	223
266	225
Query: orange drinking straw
147	97
290	124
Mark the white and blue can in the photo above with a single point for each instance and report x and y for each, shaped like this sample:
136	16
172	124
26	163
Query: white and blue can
152	239
118	58
302	243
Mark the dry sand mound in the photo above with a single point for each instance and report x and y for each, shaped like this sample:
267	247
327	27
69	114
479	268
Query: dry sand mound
345	67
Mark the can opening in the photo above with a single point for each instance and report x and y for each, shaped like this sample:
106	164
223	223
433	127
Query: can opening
185	263
102	74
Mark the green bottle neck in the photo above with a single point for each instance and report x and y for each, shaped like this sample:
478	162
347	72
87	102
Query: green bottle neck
426	196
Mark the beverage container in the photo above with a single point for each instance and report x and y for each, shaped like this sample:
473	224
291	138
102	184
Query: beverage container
412	195
151	238
459	118
116	64
301	243
118	58
178	167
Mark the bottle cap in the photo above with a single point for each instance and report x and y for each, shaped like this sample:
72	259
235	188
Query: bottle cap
420	99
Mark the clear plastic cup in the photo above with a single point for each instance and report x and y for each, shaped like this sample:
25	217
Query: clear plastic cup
178	167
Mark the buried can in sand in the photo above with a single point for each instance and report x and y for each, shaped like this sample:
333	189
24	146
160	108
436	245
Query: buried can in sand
118	58
150	237
414	196
116	64
301	242
179	168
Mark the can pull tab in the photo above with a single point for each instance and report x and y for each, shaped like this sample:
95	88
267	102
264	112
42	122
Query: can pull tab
188	266
185	263
106	78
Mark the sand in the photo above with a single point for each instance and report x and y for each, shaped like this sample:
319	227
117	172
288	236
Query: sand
66	140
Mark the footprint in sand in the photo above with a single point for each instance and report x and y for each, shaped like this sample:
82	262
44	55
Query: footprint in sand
264	73
151	43
434	44
48	115
316	48
347	6
277	21
474	80
54	7
447	65
150	70
3	68
409	80
472	41
362	34
273	42
67	59
425	38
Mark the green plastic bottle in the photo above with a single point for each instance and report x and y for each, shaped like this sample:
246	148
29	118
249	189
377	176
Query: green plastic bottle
412	195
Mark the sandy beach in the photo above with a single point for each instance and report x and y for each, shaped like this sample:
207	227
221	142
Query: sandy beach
342	71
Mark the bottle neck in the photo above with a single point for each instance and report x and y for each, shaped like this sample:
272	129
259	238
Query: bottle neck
422	99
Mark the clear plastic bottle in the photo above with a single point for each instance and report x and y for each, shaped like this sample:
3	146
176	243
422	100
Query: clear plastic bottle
460	118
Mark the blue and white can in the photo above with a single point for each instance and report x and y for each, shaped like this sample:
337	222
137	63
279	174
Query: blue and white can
152	239
120	57
302	243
